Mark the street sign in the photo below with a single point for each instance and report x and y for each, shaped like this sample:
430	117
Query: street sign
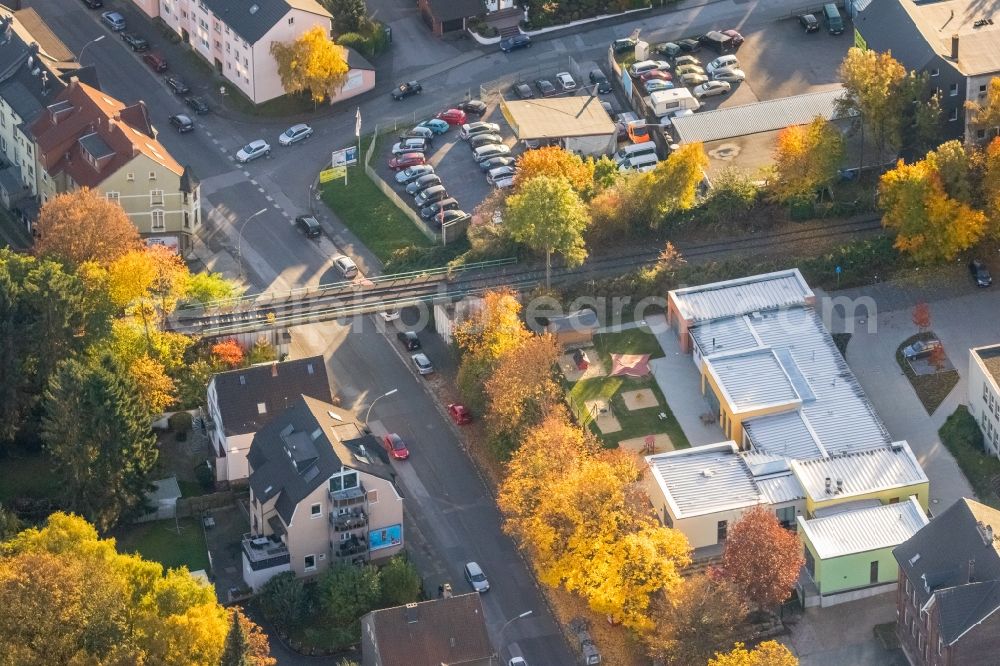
345	156
329	174
839	270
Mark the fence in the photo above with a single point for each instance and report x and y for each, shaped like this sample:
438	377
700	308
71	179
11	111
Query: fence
192	506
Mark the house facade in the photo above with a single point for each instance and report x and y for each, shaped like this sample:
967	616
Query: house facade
235	36
948	594
86	138
241	402
984	394
321	492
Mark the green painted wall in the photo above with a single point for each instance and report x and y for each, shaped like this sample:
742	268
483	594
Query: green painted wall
851	572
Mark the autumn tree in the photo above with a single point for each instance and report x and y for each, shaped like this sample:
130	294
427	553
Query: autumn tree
701	617
555	162
246	643
762	558
673	184
605	172
228	352
873	84
951	163
522	388
768	653
313	63
929	225
921	123
990	185
153	387
84	226
209	287
921	316
985	115
733	195
98	435
806	159
548	216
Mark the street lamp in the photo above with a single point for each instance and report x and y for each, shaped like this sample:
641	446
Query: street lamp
513	619
239	240
79	58
384	395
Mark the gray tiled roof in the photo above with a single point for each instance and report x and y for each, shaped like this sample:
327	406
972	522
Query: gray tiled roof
966	606
447	10
251	19
886	25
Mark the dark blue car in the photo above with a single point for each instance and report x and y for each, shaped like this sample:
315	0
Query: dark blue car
516	42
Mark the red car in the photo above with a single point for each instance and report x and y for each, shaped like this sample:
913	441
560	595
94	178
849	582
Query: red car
656	74
459	414
406	160
155	61
735	36
452	116
396	447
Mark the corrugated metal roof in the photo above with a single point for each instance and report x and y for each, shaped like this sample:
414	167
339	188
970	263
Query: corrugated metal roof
704	479
860	473
784	434
752	379
780	489
863	530
720	300
724	335
759	117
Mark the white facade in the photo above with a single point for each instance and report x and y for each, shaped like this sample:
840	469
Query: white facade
230	452
17	147
984	394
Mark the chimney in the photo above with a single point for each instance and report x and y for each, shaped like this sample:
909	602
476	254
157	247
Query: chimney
411	613
954	46
840	486
972	571
829	482
989	535
274	369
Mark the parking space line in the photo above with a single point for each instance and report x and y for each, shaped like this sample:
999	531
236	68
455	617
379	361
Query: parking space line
261	190
252	181
268	196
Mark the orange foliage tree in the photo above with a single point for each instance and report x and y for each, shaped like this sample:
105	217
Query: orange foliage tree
554	161
806	158
83	226
228	352
768	653
921	316
522	388
762	558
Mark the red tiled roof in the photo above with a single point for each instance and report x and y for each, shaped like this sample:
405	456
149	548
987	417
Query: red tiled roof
81	110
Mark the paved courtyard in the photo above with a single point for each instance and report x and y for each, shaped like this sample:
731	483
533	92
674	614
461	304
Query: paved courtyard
844	634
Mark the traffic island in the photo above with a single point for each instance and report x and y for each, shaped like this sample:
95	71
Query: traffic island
931	374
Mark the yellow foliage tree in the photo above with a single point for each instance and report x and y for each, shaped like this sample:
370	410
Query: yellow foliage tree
806	159
156	390
82	226
986	114
673	184
522	388
554	162
990	159
874	87
496	329
312	63
768	653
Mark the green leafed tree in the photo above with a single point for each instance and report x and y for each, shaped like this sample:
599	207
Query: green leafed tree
98	435
548	216
400	582
347	592
348	15
208	287
237	650
284	601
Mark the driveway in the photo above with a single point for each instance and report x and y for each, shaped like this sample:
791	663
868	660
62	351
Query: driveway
843	634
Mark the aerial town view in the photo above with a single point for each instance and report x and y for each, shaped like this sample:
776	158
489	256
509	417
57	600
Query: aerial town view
499	333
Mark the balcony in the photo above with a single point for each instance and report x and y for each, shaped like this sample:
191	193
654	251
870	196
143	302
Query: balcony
264	552
354	520
348	497
354	546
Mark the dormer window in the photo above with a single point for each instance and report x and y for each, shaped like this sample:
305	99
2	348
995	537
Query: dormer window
261	408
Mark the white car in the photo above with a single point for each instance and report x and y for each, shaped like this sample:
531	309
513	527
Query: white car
668	120
686	60
729	75
389	315
499	173
425	367
410	174
566	81
294	134
504	183
472	129
711	89
517	661
253	150
474	574
346	266
723	62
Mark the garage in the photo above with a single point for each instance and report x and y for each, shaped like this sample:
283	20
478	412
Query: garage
578	124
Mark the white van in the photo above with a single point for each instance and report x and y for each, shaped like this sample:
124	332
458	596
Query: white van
668	101
635	150
641	163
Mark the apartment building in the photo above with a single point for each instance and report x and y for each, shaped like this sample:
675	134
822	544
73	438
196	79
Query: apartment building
984	394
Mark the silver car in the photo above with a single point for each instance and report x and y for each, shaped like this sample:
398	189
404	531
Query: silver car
733	75
412	173
253	150
711	89
477	579
424	367
294	134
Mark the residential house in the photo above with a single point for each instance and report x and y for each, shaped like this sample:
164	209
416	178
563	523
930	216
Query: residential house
321	491
444	16
948	596
984	394
952	42
849	553
235	37
241	402
86	138
440	632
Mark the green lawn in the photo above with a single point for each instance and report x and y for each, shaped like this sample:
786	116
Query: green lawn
159	541
961	435
23	475
634	424
931	389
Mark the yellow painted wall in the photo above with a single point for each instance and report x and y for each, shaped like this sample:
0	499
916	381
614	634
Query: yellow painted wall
732	422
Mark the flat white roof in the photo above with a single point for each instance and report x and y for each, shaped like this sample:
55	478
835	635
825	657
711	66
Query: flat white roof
557	117
719	300
863	530
752	379
861	472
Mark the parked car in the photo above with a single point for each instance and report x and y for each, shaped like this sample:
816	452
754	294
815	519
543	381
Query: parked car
493	175
93	4
669	49
517	661
688	69
723	62
921	348
453	116
471	129
389	315
156	62
623	45
346	266
523	91
475	106
598	79
643	66
980	273
423	364
199	105
680	113
427	212
410	145
410	174
435	125
486	139
693	79
406	160
395	446
309	225
114	20
135	42
253	150
689	45
809	22
176	85
711	89
421	132
566	81
430	195
545	87
404	90
447	217
459	413
182	122
477	579
638	132
656	74
486	152
514	43
729	75
686	60
422	183
294	134
717	41
656	84
736	39
495	161
504	183
410	340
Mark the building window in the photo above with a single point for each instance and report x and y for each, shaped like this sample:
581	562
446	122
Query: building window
130	177
156	197
720	530
982	89
218	44
953	115
343	481
187	220
373	497
953	90
893	500
873	572
935	72
980	134
786	517
907	587
291	20
152	175
158	224
940	646
227	47
309	562
111	196
316	510
345	536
